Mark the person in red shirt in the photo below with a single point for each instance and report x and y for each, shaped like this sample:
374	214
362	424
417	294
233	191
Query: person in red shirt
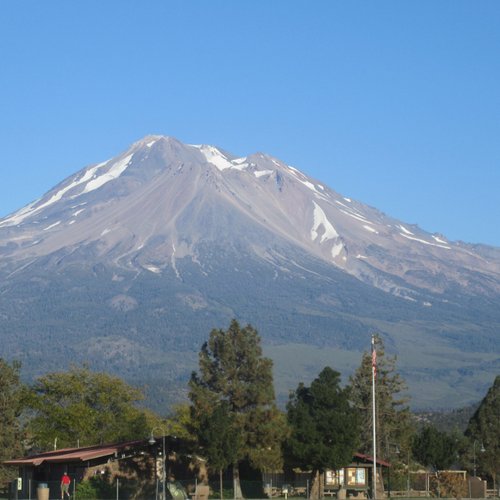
65	482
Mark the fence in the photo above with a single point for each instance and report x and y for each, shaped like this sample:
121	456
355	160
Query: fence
127	489
123	489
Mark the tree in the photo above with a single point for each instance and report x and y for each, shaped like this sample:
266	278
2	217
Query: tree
484	426
324	426
393	418
236	380
179	424
219	439
83	407
434	448
10	408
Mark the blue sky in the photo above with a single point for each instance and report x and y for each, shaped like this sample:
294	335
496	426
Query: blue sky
395	104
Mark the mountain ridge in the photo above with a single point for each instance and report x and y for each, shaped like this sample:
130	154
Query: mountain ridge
249	237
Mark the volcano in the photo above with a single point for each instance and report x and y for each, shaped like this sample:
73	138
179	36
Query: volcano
129	263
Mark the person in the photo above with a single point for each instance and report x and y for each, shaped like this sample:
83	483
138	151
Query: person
65	482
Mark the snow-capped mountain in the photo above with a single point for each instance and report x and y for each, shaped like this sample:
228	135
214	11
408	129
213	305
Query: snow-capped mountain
157	201
217	235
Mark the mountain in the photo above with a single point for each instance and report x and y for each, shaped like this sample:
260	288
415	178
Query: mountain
129	264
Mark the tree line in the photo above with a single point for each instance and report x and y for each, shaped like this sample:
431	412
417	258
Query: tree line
232	416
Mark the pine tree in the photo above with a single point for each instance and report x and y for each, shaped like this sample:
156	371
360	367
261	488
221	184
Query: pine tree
393	418
324	427
434	448
484	427
219	439
10	408
234	375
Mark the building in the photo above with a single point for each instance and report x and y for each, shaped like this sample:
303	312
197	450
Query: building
134	463
355	478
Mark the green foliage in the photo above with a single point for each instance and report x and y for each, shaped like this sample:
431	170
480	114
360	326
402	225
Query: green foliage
80	406
324	426
10	408
484	427
393	418
95	488
234	388
179	424
434	448
219	437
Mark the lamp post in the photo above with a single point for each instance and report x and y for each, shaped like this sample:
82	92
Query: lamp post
396	452
152	441
408	473
474	453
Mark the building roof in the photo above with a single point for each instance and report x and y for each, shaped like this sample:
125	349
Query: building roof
368	458
80	454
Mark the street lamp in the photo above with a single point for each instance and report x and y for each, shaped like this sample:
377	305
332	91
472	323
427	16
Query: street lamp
152	441
474	454
408	473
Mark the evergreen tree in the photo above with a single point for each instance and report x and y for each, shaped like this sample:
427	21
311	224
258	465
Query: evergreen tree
393	418
219	439
484	427
434	448
236	379
10	408
83	407
324	427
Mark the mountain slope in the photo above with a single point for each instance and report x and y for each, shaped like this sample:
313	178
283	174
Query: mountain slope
129	263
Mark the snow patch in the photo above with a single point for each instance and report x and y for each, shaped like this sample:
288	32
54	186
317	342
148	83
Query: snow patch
342	204
371	229
149	144
75	214
310	185
300	177
425	242
239	161
30	209
90	176
115	171
411	299
439	240
356	216
152	268
105	231
20	215
320	219
216	158
261	173
337	249
174	267
52	225
406	231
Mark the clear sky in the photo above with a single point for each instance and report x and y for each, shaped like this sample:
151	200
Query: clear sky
395	104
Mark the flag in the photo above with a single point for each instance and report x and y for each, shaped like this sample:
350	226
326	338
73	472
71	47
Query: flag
374	357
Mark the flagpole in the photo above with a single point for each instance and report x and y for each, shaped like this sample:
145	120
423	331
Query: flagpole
374	371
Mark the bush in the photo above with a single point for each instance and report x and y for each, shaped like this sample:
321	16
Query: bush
94	488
